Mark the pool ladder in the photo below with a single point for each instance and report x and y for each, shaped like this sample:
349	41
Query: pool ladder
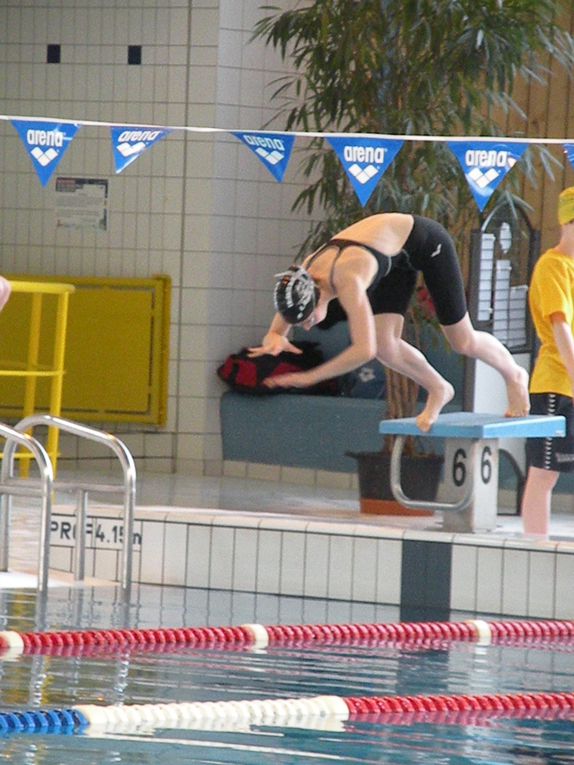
11	486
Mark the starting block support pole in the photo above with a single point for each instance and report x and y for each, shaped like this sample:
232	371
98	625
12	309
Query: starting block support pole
471	465
468	493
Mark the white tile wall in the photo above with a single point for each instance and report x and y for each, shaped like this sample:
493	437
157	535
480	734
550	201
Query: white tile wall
389	571
221	564
105	561
268	559
199	207
245	560
463	578
174	554
198	555
152	559
292	563
564	600
541	584
340	573
489	580
316	564
364	570
337	561
515	582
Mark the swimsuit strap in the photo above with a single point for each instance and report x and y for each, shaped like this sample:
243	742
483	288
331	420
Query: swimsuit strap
353	243
331	243
342	244
314	255
384	261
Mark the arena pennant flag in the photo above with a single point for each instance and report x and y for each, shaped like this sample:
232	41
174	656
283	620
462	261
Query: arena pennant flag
46	143
273	149
130	142
365	161
569	151
486	164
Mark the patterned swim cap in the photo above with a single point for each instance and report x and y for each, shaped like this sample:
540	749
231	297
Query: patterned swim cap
296	294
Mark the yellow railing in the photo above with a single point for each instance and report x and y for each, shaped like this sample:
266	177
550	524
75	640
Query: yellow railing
30	368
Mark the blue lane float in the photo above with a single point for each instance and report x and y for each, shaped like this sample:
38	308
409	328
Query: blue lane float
60	721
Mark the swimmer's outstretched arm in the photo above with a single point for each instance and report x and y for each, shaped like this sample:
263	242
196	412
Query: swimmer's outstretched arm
363	347
275	340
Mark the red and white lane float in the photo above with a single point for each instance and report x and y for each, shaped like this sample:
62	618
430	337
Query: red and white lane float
301	712
81	642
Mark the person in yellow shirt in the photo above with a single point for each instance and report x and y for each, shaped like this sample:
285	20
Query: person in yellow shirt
551	300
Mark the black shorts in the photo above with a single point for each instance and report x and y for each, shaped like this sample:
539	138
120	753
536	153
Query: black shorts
552	453
429	249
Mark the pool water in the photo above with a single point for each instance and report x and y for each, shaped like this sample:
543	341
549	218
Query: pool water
278	672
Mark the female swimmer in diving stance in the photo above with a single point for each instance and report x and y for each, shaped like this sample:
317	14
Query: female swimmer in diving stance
371	269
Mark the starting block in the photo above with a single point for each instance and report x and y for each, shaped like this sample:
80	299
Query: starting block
468	493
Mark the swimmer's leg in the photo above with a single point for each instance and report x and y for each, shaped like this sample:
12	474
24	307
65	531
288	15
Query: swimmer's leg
397	354
465	339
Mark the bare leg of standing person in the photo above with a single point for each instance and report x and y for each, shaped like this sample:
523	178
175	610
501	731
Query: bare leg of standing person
536	500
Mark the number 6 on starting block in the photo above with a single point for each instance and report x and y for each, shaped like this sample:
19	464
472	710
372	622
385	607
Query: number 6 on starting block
468	492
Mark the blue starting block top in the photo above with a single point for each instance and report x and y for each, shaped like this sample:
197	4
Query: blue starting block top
480	426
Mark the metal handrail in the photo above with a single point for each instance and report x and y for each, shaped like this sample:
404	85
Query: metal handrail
15	438
129	485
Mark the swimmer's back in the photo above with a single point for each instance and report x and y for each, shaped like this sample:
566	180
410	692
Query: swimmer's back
386	232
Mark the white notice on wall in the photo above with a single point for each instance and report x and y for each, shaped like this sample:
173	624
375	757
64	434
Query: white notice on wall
485	278
82	203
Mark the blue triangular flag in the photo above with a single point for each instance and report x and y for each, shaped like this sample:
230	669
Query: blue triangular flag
486	164
569	149
46	143
365	161
130	142
273	149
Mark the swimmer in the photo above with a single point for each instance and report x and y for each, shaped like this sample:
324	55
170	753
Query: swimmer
371	268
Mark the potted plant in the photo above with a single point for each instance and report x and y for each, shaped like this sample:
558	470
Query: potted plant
409	68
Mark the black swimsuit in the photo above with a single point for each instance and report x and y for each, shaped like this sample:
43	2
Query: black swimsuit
430	249
384	261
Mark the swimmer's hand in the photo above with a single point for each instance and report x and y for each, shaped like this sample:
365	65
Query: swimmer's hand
273	344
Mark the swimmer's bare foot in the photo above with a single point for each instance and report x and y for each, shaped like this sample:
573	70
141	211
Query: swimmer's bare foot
436	400
518	398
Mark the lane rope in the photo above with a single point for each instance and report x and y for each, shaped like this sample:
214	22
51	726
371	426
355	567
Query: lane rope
397	710
88	642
